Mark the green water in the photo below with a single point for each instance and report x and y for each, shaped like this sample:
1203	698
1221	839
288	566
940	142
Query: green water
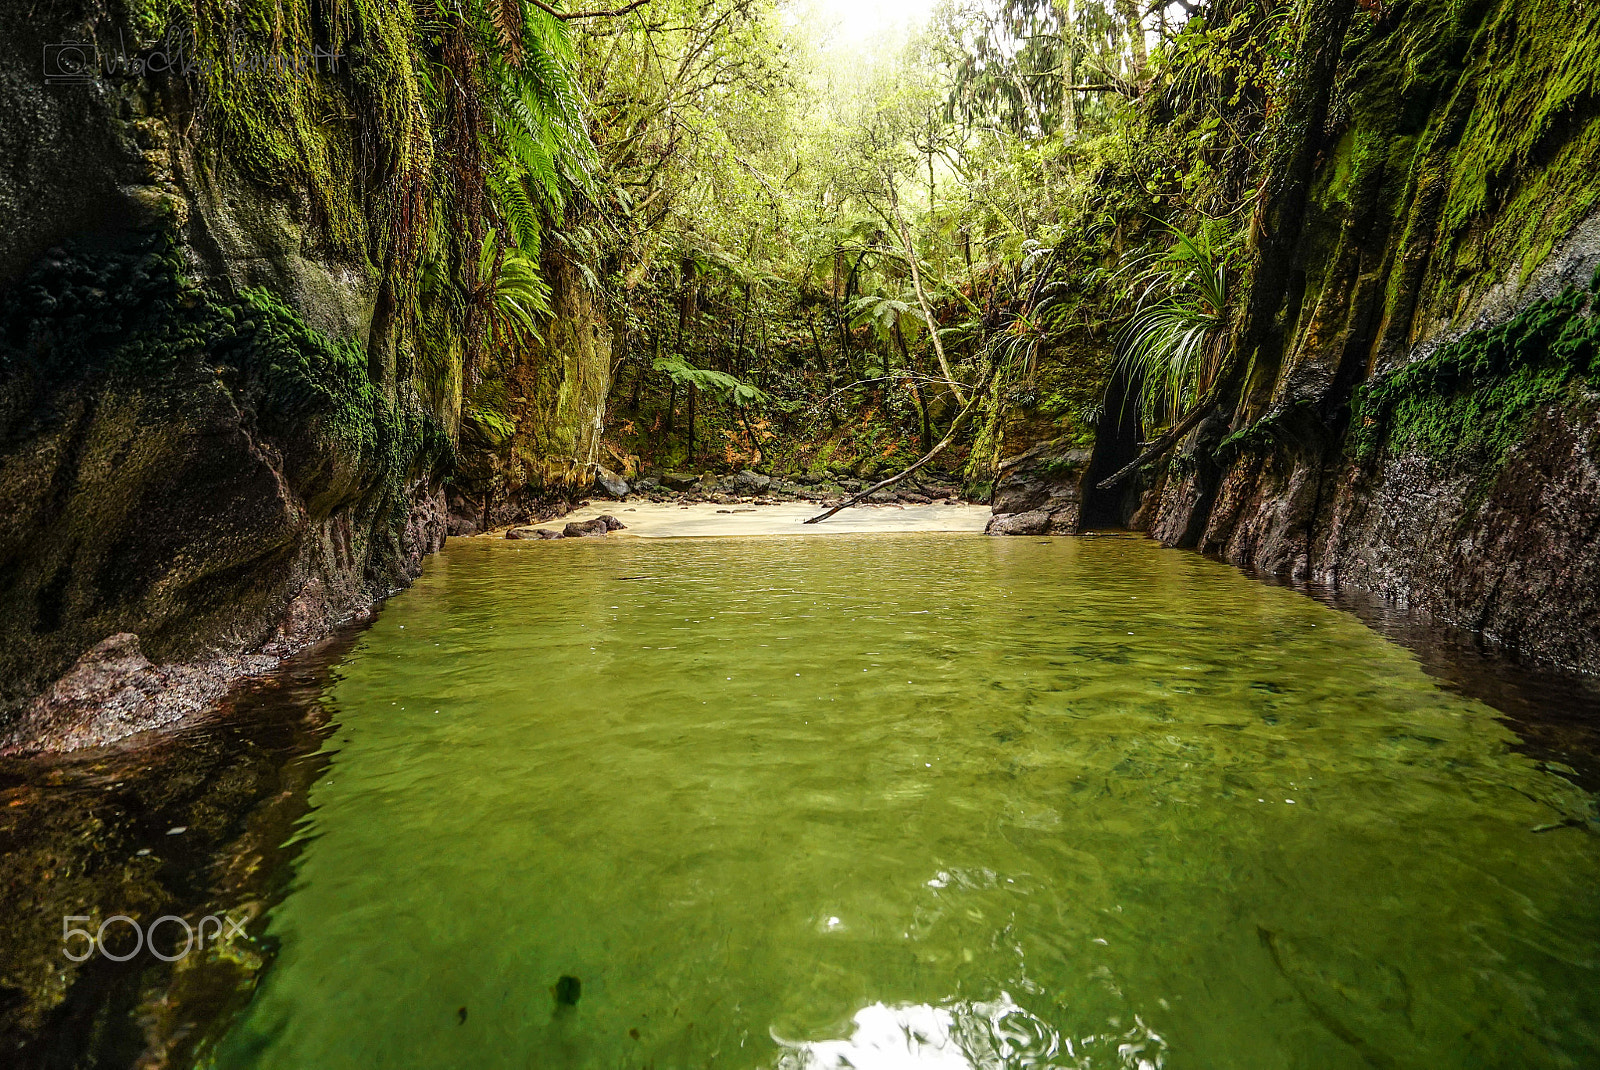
916	801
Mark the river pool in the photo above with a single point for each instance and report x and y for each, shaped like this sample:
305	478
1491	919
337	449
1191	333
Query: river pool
914	801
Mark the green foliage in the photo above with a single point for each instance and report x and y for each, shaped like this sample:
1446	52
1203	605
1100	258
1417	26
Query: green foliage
1475	398
1167	347
520	294
718	384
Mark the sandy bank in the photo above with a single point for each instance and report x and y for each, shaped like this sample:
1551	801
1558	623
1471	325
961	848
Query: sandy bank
663	520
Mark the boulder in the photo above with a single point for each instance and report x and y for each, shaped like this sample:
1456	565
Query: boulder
609	482
752	481
679	480
597	527
1046	478
612	523
883	497
915	498
532	533
1036	522
1062	521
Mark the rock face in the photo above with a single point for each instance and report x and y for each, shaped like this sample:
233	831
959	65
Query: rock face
203	439
1430	437
1044	481
1421	417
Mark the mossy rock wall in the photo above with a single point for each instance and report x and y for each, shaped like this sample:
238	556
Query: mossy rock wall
1427	427
202	439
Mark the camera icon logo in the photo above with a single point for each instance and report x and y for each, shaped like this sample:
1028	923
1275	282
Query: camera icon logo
69	63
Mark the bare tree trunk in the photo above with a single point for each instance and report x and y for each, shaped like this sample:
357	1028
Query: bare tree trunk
755	446
694	395
922	297
686	307
1131	17
916	394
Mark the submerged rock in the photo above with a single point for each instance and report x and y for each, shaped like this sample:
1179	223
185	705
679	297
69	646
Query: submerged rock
113	691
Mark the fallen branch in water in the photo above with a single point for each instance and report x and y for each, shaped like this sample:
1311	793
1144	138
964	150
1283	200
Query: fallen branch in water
950	436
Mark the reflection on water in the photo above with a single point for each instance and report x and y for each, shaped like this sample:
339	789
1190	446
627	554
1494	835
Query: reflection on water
997	1035
1067	803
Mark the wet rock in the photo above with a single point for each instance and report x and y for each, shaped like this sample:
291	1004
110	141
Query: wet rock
610	483
914	498
587	529
532	533
1035	522
612	523
113	691
883	497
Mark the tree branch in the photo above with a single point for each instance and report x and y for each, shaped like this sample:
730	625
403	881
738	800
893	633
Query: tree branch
564	16
922	297
950	436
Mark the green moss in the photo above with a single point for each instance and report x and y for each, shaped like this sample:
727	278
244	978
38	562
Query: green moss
1266	433
137	320
1475	398
322	101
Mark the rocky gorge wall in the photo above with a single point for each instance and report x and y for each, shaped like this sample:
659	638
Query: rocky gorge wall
207	458
1423	419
